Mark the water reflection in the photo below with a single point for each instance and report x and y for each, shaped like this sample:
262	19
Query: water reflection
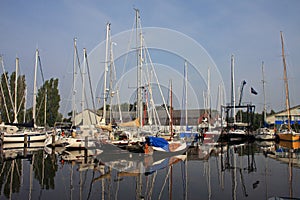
262	170
19	163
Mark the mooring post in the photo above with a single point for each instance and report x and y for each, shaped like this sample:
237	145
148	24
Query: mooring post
53	140
25	140
25	151
85	149
85	155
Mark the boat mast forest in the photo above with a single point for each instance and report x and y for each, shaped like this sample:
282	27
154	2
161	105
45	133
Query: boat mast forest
15	87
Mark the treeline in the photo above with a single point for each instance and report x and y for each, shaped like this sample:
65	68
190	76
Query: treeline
48	101
258	118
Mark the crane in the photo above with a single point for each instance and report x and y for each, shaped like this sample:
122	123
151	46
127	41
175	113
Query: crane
243	83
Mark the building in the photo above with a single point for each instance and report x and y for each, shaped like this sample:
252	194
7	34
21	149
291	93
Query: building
89	117
281	117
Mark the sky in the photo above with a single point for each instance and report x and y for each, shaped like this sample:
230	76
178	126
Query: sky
249	30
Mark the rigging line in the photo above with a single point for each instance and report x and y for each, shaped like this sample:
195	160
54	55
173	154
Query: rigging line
5	105
2	170
11	180
40	106
41	69
90	82
91	185
78	62
128	47
87	104
156	78
152	105
112	84
43	80
6	80
18	170
162	188
21	102
82	80
9	171
81	72
152	186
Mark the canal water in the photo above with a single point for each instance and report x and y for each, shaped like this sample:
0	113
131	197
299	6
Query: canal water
258	170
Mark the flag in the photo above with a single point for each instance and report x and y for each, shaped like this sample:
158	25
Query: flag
253	91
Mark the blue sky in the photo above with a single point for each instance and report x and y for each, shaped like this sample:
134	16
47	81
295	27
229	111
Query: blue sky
248	29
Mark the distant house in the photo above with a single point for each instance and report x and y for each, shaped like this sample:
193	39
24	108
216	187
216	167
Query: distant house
281	117
87	117
194	116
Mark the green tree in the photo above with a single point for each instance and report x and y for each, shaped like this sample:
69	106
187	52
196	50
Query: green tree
50	92
5	100
21	93
9	100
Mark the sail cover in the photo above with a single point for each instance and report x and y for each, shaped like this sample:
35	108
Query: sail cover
158	142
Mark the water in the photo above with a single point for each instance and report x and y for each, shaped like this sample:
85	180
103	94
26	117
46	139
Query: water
243	171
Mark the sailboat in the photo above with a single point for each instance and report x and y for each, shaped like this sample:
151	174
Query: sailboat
209	135
85	135
236	131
121	136
188	134
285	132
141	135
154	143
264	133
27	135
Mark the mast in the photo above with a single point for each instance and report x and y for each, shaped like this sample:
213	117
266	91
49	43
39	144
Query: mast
74	81
263	82
34	87
208	98
16	90
171	110
139	52
119	105
287	99
185	85
83	85
140	100
105	72
232	88
25	102
111	78
45	109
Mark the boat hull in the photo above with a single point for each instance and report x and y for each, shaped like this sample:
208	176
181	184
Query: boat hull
265	134
290	144
265	137
79	143
289	136
23	137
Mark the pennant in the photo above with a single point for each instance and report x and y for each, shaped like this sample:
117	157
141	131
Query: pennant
253	91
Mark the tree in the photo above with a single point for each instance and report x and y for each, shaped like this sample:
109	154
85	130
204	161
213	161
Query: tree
7	98
241	116
50	92
5	105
